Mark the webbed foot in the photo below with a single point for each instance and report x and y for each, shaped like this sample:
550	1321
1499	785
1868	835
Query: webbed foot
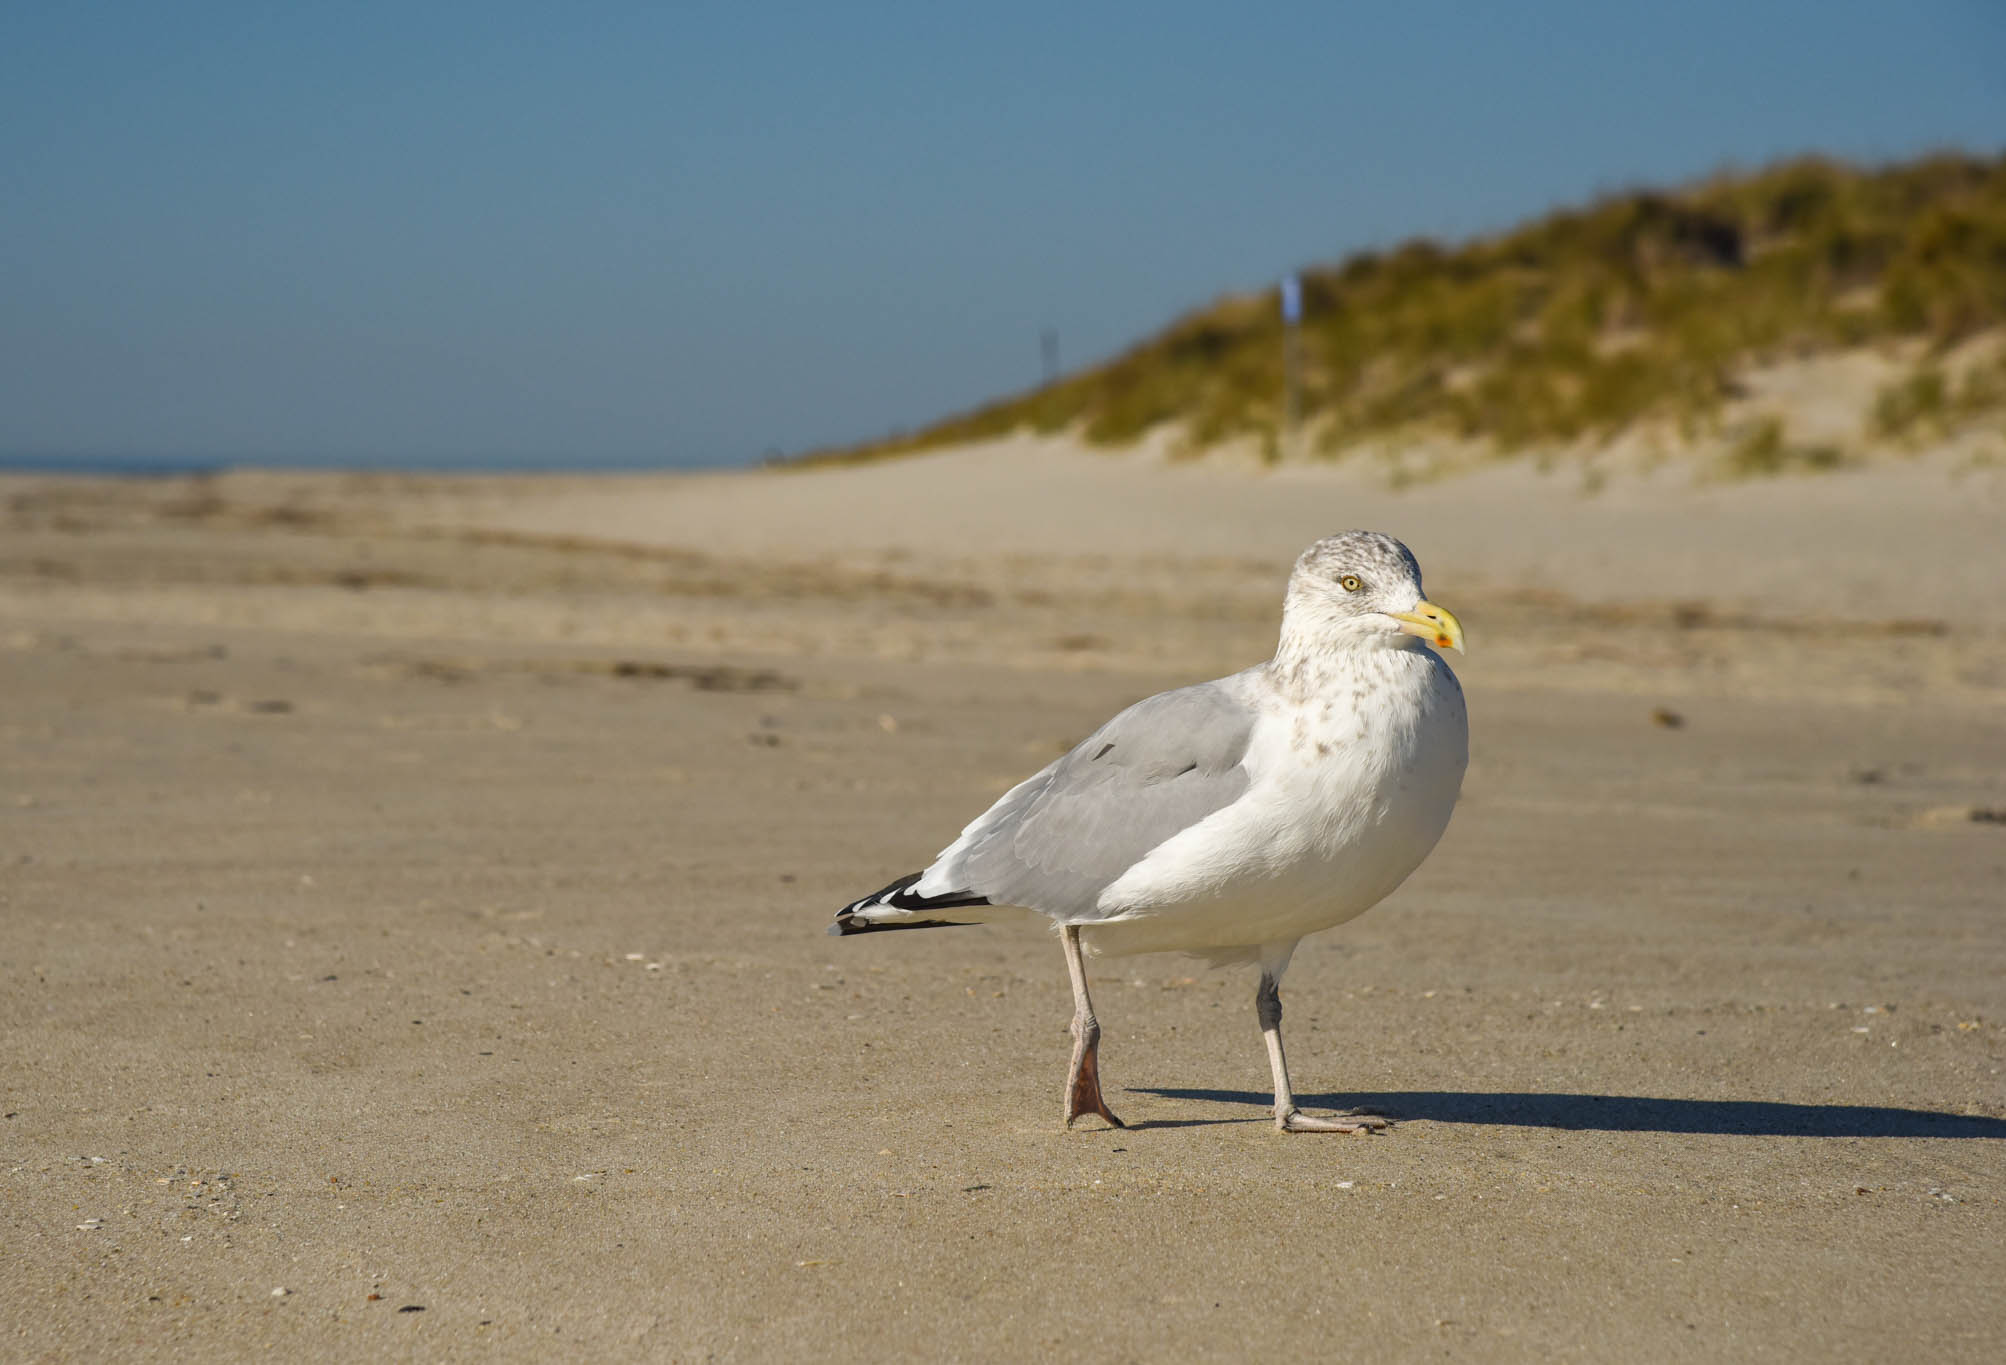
1296	1121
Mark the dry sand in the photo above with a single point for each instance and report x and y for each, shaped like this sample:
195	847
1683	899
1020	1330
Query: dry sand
414	894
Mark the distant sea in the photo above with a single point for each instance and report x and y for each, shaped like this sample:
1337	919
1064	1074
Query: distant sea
171	467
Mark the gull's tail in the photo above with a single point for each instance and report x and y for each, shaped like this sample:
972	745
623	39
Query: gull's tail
898	906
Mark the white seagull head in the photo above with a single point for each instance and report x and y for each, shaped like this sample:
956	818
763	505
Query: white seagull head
1362	589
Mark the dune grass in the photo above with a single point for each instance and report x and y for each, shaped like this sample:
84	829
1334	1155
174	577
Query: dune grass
1641	306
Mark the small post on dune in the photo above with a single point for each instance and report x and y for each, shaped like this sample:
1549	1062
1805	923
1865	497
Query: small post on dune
1292	316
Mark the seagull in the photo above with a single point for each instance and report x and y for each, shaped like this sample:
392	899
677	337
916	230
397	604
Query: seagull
1229	819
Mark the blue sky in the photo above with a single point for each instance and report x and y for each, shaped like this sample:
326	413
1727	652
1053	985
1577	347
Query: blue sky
619	234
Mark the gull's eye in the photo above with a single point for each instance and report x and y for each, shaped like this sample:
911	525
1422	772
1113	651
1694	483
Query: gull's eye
1350	583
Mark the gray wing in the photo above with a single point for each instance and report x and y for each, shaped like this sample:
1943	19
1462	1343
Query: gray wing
1056	841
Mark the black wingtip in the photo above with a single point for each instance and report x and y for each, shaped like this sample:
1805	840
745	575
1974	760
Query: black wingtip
842	928
898	896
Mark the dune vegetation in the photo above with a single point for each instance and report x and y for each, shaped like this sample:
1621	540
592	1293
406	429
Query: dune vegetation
1641	308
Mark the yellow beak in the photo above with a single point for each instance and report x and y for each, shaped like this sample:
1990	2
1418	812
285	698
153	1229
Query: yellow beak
1437	625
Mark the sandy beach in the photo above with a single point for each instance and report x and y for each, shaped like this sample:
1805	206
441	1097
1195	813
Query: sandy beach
415	893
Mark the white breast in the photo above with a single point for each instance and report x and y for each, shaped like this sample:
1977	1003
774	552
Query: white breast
1349	791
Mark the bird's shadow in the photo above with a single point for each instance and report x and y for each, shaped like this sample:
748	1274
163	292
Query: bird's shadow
1144	1125
1628	1113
